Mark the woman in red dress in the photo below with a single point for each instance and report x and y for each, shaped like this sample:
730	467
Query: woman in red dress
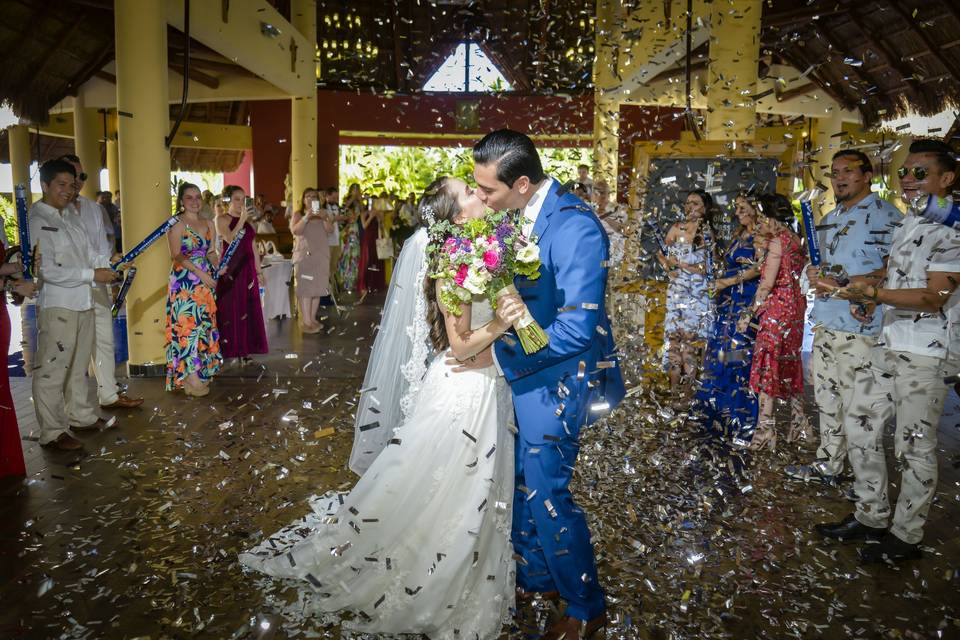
779	304
372	271
11	452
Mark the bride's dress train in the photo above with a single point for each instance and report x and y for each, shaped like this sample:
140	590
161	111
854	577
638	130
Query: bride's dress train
421	543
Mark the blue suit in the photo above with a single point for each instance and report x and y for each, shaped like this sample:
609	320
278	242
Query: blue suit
556	391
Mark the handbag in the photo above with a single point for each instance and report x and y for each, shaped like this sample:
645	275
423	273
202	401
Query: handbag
384	245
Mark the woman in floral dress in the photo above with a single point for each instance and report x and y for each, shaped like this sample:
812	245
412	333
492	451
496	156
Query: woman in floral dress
348	269
777	371
193	342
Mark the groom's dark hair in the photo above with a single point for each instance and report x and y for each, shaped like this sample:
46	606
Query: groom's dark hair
514	154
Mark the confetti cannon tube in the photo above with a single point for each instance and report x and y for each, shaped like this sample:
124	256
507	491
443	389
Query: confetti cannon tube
155	235
813	242
23	226
942	210
124	290
658	236
228	253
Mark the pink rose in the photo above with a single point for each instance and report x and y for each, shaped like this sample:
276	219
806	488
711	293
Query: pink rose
461	275
491	259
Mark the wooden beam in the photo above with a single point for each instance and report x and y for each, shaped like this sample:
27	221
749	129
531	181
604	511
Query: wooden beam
95	65
890	58
397	48
211	65
789	94
196	75
106	75
820	10
932	47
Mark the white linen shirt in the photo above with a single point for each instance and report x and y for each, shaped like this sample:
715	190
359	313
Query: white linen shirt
919	246
67	257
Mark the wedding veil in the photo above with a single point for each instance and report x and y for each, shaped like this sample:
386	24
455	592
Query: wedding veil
399	357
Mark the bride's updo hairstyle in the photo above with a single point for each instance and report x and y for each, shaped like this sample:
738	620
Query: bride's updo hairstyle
437	204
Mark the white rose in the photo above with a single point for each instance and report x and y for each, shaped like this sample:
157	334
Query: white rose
476	282
529	253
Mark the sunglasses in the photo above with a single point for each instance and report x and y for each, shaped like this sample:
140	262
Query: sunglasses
82	177
920	173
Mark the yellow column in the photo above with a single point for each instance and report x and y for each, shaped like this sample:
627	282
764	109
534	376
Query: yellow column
606	104
87	132
113	165
18	137
732	77
826	142
896	161
142	94
303	126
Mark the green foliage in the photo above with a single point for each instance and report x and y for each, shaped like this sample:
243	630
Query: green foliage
403	170
9	212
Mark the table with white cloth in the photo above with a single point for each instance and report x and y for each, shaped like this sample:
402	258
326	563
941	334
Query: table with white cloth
277	272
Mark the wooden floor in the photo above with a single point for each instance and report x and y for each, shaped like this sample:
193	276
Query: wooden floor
138	536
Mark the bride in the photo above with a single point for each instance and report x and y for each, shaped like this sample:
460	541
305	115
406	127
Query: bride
421	544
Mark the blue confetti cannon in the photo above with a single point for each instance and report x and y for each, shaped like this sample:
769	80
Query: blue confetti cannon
124	290
228	254
813	242
144	244
23	227
657	236
942	210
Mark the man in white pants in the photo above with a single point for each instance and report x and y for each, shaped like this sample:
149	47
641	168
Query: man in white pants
918	349
68	266
103	360
854	240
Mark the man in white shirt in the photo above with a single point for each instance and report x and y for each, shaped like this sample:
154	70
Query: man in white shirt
918	348
103	360
68	266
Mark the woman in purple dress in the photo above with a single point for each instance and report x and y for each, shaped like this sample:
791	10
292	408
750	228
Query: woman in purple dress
239	311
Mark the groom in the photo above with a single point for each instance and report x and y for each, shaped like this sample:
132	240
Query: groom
559	389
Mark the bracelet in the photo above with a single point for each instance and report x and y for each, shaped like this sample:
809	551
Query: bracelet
876	294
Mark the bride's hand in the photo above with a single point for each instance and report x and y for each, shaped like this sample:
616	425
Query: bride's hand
480	361
510	308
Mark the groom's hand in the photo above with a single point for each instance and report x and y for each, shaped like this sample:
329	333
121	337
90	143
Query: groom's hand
482	360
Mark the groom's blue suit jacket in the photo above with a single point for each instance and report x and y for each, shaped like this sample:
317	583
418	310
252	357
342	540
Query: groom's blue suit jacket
564	386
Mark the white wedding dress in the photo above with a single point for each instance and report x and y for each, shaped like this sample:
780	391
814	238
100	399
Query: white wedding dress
421	545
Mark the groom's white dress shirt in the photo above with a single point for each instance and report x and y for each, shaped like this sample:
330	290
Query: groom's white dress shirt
530	214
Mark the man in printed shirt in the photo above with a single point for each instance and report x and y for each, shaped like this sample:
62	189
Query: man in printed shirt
918	347
854	240
68	267
103	361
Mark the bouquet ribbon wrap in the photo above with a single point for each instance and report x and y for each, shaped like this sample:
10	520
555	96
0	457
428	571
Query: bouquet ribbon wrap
124	290
813	242
144	244
228	253
531	334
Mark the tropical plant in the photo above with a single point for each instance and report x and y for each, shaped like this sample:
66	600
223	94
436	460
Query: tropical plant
403	170
9	212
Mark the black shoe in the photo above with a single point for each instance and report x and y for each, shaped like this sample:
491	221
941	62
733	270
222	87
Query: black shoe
891	550
850	529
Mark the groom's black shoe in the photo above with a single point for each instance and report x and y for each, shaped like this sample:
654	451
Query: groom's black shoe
850	529
572	629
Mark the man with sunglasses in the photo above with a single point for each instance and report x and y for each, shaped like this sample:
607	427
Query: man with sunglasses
919	346
854	240
95	221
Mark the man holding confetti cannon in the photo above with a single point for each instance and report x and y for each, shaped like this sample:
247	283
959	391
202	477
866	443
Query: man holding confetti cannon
104	357
68	267
918	351
851	240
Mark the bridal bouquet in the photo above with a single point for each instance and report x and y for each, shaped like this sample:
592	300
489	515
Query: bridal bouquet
482	257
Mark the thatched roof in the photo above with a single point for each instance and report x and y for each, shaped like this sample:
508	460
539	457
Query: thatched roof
871	55
48	147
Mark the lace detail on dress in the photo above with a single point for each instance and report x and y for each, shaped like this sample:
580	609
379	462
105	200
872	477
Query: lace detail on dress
419	333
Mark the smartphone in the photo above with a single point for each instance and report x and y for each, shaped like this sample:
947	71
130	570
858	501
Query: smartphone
315	206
